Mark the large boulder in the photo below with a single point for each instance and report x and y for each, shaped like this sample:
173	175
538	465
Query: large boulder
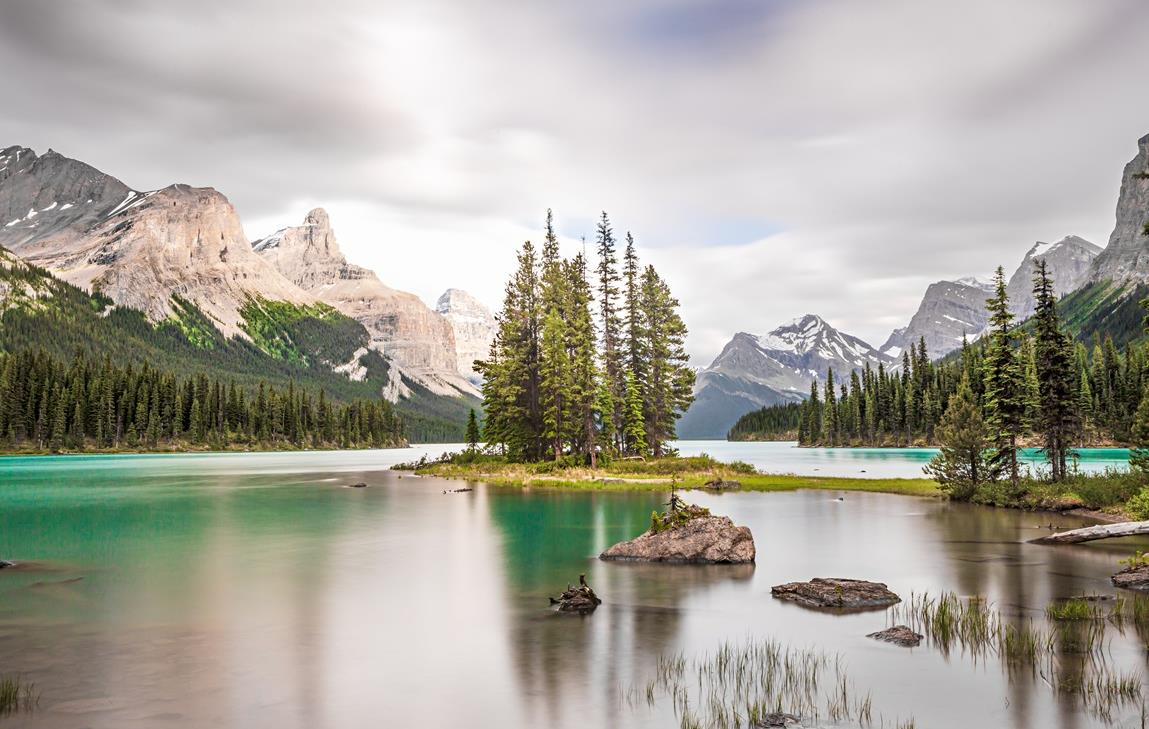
1133	577
837	592
701	540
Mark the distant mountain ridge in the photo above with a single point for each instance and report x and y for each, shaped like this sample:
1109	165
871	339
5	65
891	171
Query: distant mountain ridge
754	371
179	255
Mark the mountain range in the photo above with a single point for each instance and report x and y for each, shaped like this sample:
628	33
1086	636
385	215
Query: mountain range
1100	289
179	256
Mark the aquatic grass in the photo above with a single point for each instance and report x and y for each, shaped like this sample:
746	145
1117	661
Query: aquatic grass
739	685
16	694
1075	608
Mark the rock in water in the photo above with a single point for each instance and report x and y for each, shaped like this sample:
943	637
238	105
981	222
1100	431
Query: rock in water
581	599
1134	577
719	484
702	540
899	635
776	719
5	563
837	592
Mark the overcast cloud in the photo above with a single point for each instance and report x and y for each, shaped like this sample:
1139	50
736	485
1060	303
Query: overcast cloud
772	157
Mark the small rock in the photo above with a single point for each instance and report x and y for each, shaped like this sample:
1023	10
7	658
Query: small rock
702	540
581	599
5	563
1134	577
359	485
898	635
837	592
776	719
719	484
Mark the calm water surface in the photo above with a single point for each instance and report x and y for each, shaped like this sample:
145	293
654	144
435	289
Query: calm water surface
870	462
255	591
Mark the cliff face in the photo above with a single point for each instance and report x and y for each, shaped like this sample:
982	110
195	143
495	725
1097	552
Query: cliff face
139	248
1068	262
474	327
1126	258
949	311
401	326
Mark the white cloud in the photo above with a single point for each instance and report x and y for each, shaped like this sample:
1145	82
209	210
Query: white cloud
892	143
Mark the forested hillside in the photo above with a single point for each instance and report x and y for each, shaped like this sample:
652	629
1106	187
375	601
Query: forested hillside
39	313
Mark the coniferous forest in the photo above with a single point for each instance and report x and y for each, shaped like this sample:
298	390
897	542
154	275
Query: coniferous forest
1088	393
90	404
585	362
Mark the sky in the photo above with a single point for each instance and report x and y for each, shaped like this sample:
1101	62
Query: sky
771	157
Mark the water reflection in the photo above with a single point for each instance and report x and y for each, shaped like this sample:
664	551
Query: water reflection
282	599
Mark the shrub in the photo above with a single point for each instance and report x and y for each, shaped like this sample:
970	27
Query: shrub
1138	505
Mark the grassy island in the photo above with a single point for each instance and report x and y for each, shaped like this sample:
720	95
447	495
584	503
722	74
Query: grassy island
648	474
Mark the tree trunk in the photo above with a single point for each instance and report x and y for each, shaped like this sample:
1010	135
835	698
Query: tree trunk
1100	531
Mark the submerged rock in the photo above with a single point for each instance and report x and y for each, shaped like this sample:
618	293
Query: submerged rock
359	485
775	719
837	592
899	635
701	540
1133	577
5	563
581	599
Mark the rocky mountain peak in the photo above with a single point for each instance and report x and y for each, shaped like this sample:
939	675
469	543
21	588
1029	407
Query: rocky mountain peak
1068	262
401	326
474	327
1126	258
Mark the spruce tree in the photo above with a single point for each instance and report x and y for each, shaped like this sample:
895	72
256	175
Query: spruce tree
610	330
472	431
1058	419
1004	384
961	463
670	388
1139	453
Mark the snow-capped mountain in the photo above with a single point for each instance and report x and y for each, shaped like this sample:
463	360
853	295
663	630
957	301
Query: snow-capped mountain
474	327
139	248
753	371
949	311
1068	262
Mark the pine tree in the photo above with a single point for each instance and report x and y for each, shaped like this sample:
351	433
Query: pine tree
611	331
472	431
1004	384
634	429
961	463
1139	453
583	370
1058	418
670	388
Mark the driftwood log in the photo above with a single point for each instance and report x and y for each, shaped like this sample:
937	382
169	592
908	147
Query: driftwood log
1100	531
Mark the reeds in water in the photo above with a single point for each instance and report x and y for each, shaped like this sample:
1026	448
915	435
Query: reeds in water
16	694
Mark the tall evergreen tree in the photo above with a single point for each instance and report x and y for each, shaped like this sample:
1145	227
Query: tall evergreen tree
1004	384
472	430
611	331
1058	420
670	388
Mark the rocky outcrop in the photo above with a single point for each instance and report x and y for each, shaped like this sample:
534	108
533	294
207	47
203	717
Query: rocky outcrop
141	249
474	328
701	540
401	326
1133	577
949	311
1126	258
1068	262
836	592
755	371
901	635
580	599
